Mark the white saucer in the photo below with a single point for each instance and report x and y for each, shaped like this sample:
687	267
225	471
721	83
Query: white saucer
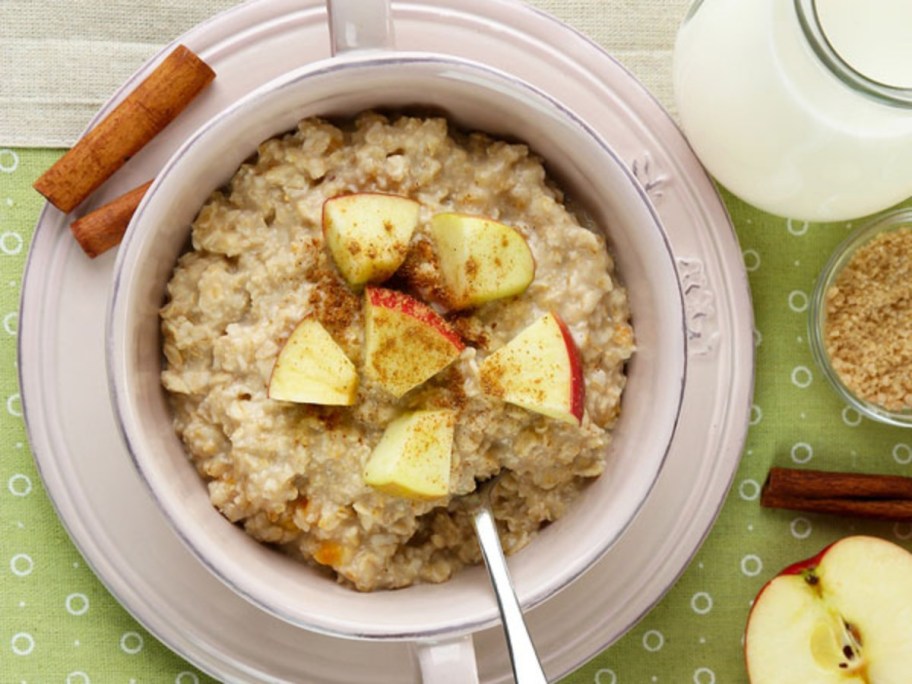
109	513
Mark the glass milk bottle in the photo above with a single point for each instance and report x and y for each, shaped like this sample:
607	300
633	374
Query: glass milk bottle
802	108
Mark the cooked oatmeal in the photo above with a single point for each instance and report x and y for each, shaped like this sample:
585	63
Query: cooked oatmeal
290	474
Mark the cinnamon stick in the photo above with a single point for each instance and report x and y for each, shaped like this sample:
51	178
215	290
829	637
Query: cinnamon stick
880	497
103	228
134	122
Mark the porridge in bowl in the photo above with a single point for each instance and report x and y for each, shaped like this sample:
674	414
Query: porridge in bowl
374	317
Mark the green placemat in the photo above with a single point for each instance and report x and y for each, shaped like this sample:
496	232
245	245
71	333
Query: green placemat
59	624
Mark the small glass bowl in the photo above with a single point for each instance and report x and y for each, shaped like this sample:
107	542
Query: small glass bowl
817	320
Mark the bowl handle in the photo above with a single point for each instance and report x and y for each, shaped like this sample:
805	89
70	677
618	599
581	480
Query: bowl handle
450	661
360	25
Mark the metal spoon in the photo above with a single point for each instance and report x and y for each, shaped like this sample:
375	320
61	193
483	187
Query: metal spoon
527	668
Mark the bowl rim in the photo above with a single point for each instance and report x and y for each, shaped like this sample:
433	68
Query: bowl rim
893	219
115	312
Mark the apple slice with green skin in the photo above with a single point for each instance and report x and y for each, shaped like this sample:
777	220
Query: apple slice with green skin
480	259
311	368
842	617
539	370
405	341
412	458
368	234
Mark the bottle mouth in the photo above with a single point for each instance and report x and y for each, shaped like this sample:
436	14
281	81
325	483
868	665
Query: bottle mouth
809	19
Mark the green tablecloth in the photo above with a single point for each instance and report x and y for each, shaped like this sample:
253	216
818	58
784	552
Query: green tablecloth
59	624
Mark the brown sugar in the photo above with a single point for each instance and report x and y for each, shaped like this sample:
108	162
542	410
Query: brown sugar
868	330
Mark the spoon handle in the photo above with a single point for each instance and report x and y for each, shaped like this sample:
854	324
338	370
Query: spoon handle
526	666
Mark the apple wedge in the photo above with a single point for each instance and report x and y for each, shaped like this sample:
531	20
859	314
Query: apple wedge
312	369
405	341
412	458
480	259
539	370
842	617
368	234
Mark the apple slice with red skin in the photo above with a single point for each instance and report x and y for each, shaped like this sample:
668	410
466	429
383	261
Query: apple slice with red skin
480	259
368	234
841	617
311	368
540	370
412	458
406	342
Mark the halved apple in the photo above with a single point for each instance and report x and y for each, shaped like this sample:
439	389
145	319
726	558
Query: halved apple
539	370
412	458
311	368
480	259
405	341
368	234
844	616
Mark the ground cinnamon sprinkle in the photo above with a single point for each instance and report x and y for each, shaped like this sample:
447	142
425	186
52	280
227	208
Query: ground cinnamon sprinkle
333	302
420	272
868	331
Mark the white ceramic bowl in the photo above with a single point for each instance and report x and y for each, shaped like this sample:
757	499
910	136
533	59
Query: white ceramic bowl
475	97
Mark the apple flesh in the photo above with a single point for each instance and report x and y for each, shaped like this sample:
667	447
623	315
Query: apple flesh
539	370
412	458
405	341
368	234
480	259
311	368
844	616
